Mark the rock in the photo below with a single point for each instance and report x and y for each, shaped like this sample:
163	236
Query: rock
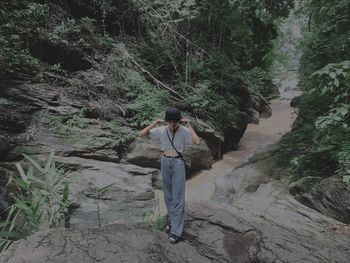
107	155
147	153
209	135
17	106
6	145
289	231
331	197
232	135
128	196
198	157
295	102
64	111
254	116
212	234
261	104
108	244
303	185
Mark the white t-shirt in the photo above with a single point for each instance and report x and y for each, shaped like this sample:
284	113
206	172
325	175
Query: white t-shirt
181	138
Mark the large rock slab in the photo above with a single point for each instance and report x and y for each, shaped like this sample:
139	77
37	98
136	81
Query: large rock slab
109	244
128	197
213	233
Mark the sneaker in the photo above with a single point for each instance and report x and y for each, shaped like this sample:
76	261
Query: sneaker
174	239
167	228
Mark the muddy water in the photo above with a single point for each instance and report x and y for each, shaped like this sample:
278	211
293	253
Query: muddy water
202	185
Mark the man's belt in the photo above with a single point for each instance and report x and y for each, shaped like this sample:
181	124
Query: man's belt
171	156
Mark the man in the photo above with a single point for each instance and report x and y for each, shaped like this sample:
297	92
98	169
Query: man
174	138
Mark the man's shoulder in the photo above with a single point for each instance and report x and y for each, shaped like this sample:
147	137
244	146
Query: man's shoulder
158	129
184	129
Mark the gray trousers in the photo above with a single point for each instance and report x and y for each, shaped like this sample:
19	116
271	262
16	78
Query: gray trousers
174	179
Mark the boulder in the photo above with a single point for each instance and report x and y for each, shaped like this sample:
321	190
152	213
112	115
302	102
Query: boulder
261	105
254	116
331	197
213	139
198	157
147	153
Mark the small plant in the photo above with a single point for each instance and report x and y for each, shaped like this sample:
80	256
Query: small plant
77	121
120	134
56	124
98	194
160	222
4	102
59	126
41	200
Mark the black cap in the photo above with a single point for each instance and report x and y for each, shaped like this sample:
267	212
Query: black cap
172	114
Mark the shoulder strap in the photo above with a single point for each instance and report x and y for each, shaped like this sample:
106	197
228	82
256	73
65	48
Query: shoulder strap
172	143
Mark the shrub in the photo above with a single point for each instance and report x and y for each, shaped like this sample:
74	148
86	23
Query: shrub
41	200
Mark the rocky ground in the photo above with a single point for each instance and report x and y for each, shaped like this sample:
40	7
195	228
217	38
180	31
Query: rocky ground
251	219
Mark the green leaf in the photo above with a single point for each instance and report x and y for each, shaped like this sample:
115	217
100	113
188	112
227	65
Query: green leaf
336	82
49	162
8	234
346	179
34	163
102	191
21	172
332	75
22	184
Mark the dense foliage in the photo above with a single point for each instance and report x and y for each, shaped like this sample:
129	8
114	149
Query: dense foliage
320	142
211	54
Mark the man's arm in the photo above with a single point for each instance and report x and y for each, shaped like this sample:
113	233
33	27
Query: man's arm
146	130
194	135
195	138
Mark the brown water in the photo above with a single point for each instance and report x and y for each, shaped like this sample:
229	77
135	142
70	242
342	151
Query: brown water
268	131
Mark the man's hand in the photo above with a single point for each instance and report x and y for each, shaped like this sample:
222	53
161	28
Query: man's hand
157	121
185	121
146	130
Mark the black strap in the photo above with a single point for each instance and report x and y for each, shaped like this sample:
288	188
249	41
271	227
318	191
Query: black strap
172	143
